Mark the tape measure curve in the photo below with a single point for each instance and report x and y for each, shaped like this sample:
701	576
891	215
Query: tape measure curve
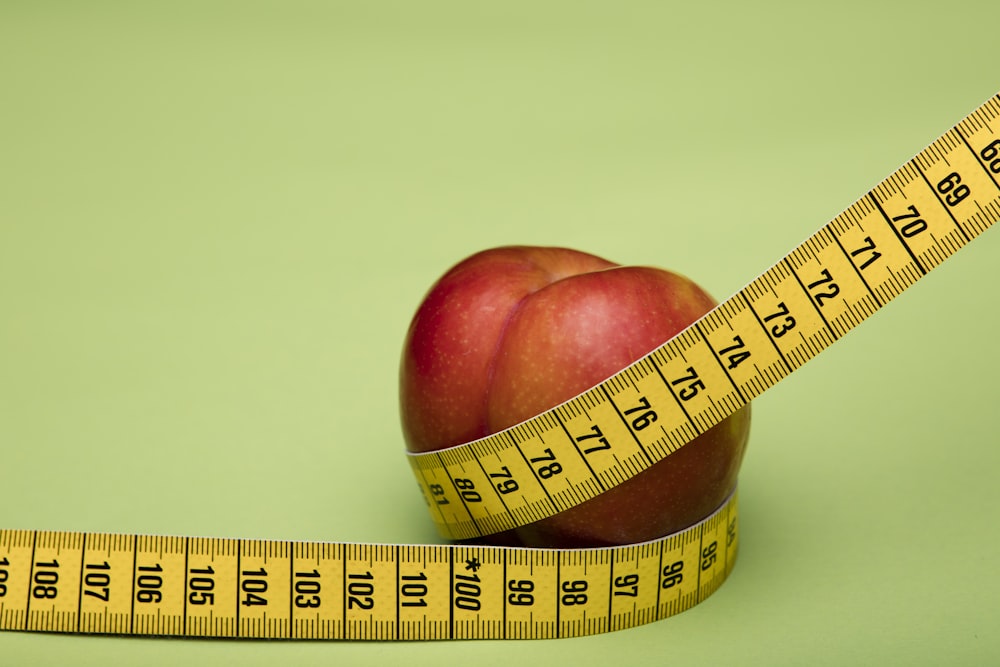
267	589
913	220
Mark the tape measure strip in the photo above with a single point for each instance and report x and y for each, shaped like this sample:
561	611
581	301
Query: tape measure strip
908	224
147	585
204	587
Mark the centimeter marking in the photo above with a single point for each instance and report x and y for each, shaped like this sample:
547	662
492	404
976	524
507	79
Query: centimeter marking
916	218
204	587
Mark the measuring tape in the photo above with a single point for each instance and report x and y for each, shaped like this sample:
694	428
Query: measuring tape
183	586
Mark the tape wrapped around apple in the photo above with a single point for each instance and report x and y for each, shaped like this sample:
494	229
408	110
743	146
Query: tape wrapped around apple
511	332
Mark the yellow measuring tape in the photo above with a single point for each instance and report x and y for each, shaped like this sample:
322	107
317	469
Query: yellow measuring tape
148	585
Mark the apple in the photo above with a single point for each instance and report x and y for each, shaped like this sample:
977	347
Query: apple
510	332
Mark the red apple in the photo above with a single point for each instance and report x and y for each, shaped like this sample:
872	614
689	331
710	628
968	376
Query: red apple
510	332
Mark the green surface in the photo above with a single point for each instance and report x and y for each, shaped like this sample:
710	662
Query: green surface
216	219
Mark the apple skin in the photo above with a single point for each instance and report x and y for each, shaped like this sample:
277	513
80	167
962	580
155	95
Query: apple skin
511	332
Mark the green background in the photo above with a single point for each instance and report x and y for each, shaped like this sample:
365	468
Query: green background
216	219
